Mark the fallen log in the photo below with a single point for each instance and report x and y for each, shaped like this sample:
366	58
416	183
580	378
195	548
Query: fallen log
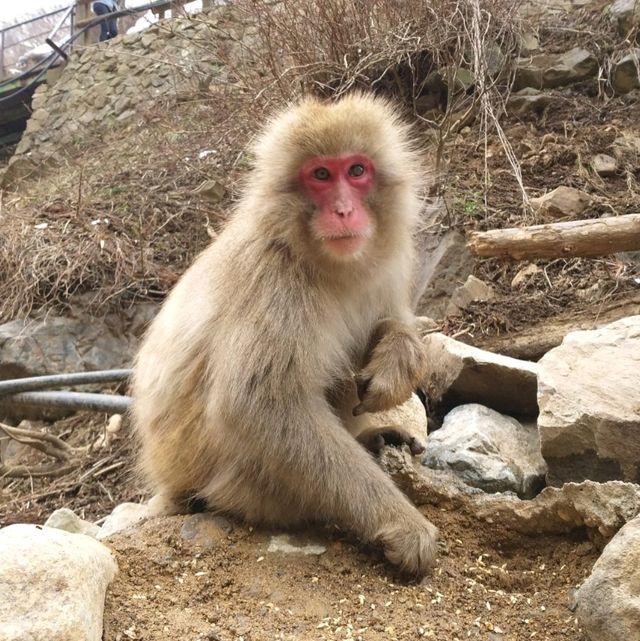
586	238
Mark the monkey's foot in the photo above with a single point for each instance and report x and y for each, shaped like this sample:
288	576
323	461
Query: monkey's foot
410	545
375	438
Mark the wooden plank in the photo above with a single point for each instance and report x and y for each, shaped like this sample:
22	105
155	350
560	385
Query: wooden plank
586	238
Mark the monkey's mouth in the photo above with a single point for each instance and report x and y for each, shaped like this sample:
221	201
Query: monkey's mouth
344	245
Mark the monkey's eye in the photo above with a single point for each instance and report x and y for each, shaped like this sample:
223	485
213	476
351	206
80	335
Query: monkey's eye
321	173
356	170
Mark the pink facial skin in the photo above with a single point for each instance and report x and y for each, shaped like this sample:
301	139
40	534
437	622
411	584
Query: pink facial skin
338	185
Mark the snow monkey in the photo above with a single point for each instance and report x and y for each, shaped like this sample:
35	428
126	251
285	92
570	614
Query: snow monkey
244	386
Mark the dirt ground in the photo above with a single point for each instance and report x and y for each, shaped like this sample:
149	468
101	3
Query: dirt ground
225	585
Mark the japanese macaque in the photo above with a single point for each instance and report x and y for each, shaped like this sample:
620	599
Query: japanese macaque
245	386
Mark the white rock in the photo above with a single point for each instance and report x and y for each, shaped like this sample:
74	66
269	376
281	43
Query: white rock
459	373
488	450
67	520
609	600
285	544
52	584
589	399
562	202
122	517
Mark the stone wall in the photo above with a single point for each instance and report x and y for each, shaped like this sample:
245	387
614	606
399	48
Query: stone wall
114	80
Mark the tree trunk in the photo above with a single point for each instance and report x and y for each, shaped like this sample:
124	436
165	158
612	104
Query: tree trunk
588	238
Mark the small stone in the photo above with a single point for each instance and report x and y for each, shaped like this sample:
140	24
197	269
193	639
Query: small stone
625	74
123	517
528	100
67	520
604	165
473	290
562	202
205	530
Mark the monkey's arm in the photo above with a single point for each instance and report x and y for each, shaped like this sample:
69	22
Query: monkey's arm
395	364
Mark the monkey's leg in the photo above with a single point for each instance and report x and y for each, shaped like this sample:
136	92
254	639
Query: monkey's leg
315	470
375	438
395	365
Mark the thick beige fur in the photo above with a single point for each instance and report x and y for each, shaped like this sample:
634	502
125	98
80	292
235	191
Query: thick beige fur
239	383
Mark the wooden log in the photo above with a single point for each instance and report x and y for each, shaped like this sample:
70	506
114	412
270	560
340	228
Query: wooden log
587	238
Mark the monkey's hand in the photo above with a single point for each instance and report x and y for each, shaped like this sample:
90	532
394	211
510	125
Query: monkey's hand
395	366
410	543
375	438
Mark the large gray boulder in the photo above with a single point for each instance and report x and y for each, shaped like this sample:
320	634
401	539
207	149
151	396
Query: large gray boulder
609	600
589	398
488	450
459	373
547	71
59	344
52	584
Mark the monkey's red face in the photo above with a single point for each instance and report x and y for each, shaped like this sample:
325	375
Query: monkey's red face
338	186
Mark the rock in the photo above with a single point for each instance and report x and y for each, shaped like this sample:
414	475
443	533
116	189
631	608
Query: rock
473	290
212	190
57	345
562	202
625	14
286	544
488	450
589	411
604	165
411	416
459	373
527	101
445	266
625	74
67	520
52	584
609	600
529	43
600	508
205	530
547	71
123	517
